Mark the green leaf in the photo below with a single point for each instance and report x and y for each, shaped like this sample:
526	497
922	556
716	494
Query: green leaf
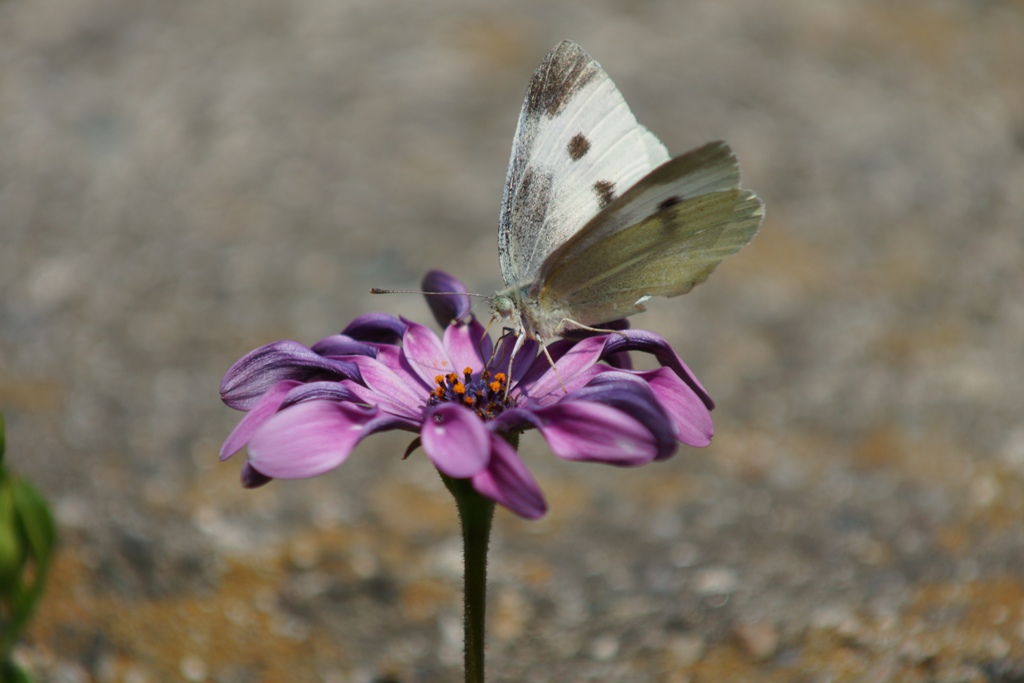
12	551
12	673
37	522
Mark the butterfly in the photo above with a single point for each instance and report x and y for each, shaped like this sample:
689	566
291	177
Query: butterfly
596	218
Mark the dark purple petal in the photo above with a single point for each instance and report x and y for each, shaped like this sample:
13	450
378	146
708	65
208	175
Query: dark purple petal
595	432
513	420
251	479
267	405
602	329
455	440
445	307
258	370
382	328
384	422
307	439
343	345
425	353
633	396
507	481
521	364
323	391
649	342
467	346
683	404
622	359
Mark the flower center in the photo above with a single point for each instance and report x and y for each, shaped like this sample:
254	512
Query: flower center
485	396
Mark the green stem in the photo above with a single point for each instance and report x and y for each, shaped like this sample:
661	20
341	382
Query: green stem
476	514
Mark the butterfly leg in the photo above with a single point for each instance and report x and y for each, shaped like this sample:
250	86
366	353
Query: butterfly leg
588	328
520	340
555	368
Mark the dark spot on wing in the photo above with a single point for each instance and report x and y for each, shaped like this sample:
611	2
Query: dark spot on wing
562	74
578	146
669	203
605	191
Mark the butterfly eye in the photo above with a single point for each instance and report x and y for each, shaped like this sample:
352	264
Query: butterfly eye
502	306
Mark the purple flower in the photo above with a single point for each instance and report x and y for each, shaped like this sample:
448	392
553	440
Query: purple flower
307	408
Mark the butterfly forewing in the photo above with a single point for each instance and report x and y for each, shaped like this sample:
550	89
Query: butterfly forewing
577	148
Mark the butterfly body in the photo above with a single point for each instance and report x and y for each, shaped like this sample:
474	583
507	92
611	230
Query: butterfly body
596	218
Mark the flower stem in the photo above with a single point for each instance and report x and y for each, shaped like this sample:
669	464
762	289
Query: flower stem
475	513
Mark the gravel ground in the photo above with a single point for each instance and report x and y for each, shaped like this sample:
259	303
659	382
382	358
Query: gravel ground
183	181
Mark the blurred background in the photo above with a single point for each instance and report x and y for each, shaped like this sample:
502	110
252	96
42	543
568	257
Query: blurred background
181	182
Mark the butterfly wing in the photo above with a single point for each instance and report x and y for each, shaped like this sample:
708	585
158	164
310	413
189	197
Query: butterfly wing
661	238
577	147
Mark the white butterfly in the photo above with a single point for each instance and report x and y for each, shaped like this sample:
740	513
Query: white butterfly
596	218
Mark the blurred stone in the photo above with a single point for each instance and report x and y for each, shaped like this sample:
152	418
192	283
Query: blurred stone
759	639
715	581
683	651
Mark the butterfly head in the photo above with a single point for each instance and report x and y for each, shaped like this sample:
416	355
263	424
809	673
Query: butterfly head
503	307
506	311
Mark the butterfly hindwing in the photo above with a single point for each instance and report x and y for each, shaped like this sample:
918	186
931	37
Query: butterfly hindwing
712	167
577	148
661	238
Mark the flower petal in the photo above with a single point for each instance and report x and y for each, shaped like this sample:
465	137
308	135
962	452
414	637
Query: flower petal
251	479
323	391
590	431
425	353
467	346
547	384
445	307
343	345
683	404
307	439
513	420
633	396
520	365
389	389
257	371
649	342
376	327
455	440
268	404
507	481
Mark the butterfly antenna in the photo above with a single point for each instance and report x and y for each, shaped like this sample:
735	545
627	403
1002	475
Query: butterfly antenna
378	290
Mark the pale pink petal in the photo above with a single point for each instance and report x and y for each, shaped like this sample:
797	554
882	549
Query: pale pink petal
425	353
587	431
463	344
683	405
568	373
455	440
307	439
260	413
507	481
385	385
